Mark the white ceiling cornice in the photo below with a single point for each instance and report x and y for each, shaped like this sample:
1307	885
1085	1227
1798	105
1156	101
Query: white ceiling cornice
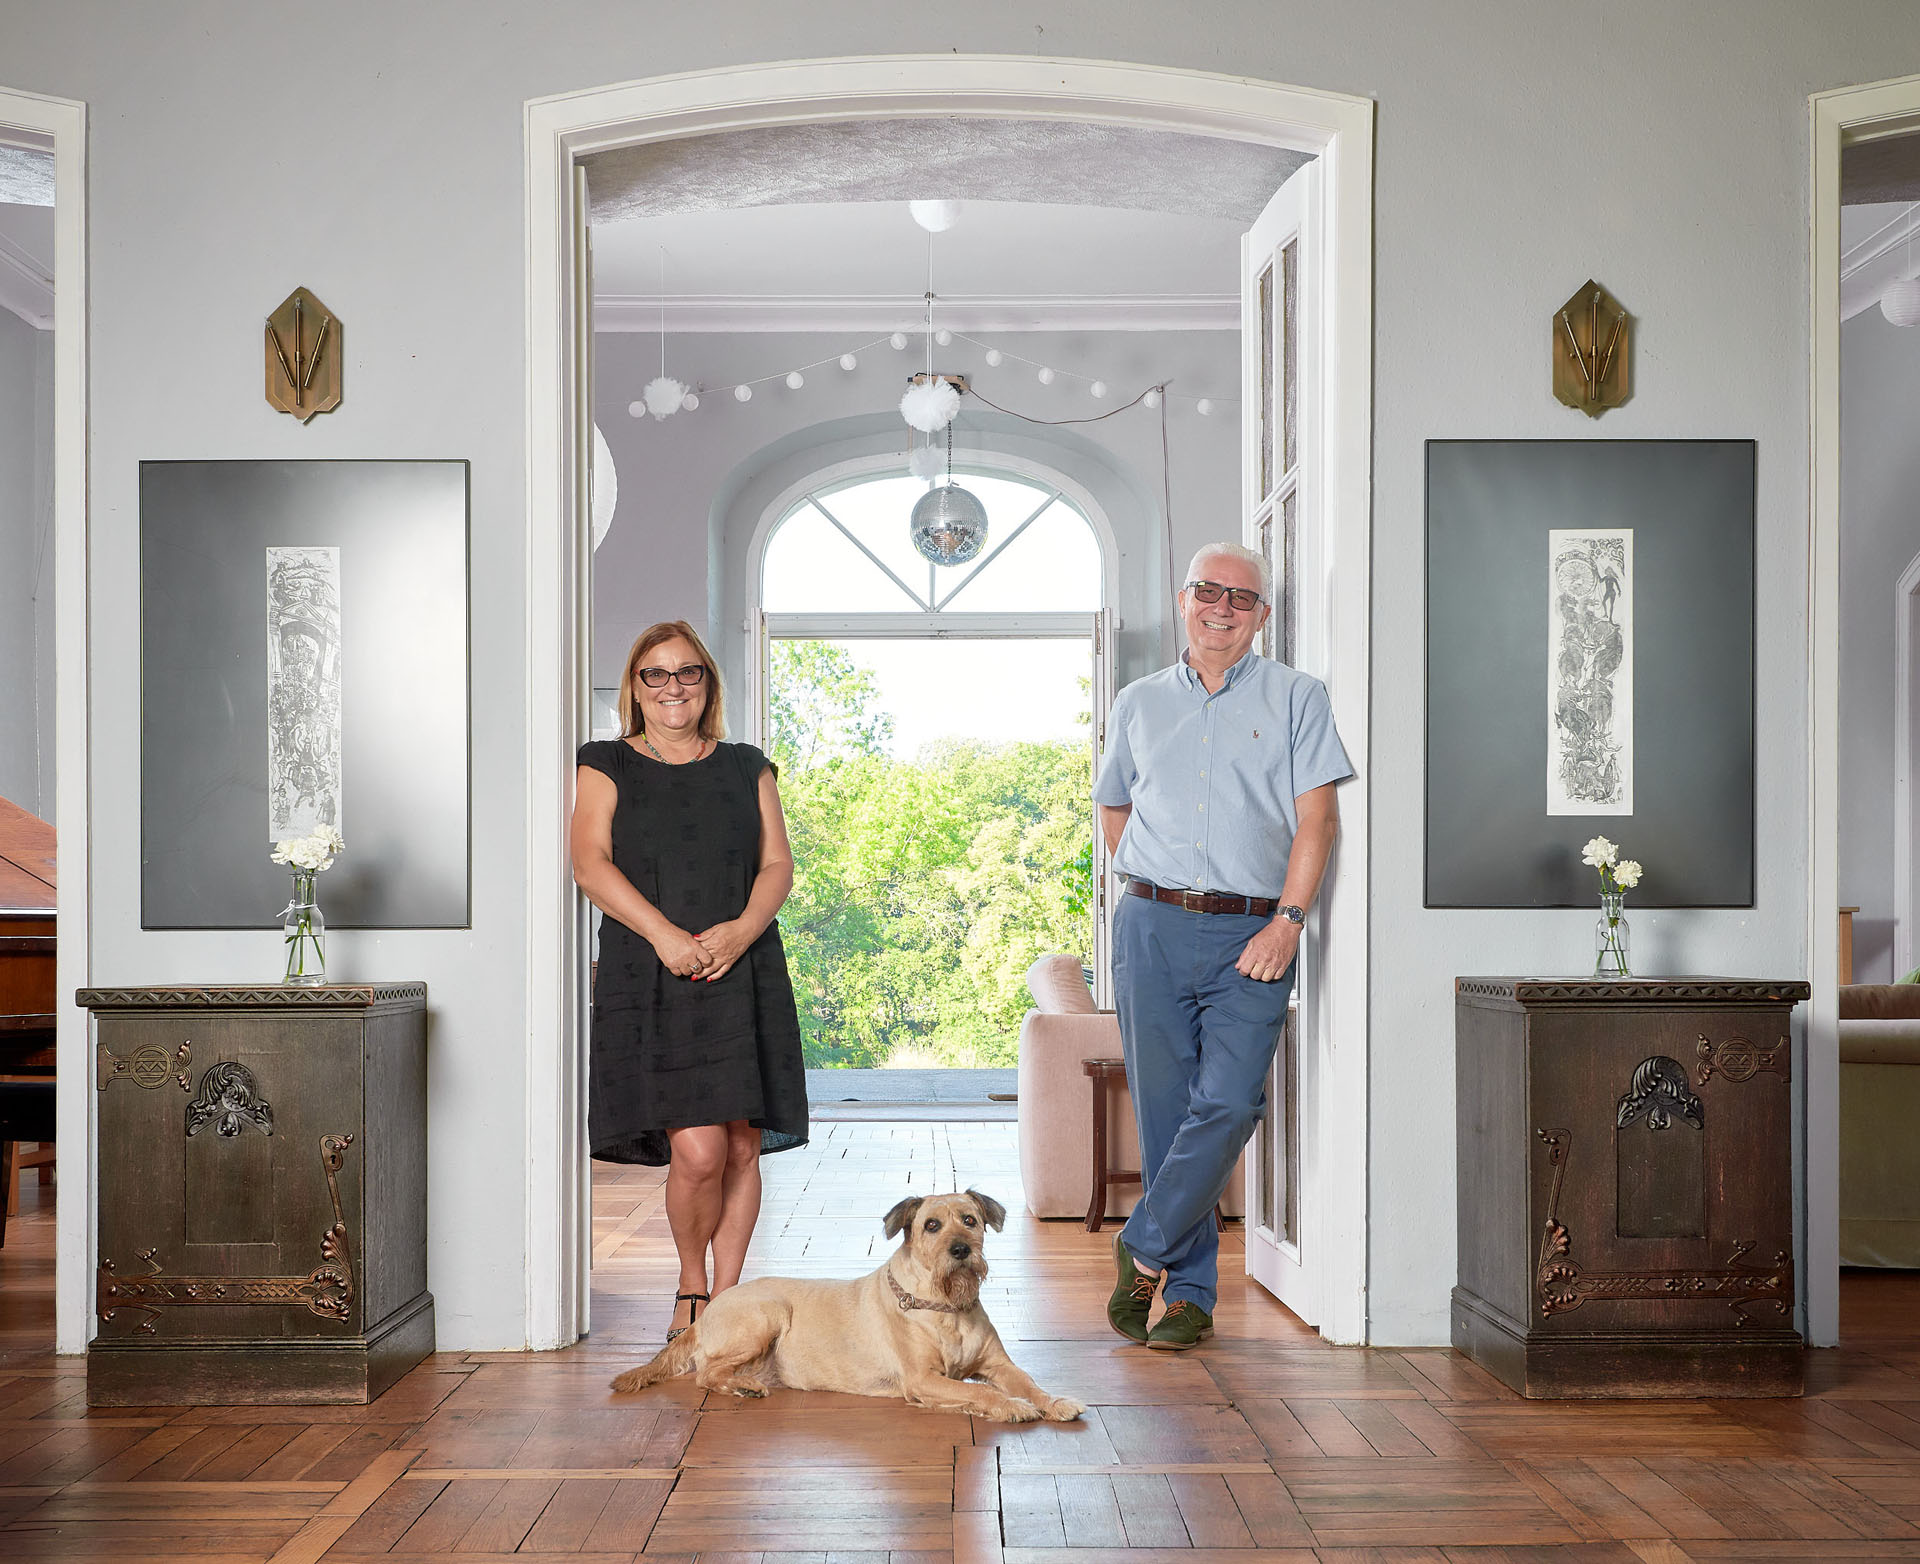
26	287
908	312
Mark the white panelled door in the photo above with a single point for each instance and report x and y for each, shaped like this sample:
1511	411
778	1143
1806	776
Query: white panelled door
1280	307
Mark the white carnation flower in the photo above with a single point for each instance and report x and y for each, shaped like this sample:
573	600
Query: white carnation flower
1627	872
1599	852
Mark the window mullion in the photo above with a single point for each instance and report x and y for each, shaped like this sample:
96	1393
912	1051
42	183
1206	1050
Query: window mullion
1005	543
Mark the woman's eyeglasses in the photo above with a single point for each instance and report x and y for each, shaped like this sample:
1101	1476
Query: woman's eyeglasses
688	676
1243	598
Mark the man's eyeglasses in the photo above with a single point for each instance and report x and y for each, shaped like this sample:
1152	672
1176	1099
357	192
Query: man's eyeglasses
1243	598
688	676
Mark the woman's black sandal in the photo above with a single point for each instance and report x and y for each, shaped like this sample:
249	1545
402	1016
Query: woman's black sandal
695	1299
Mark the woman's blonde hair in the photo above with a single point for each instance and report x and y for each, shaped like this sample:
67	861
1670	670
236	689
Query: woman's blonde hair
712	721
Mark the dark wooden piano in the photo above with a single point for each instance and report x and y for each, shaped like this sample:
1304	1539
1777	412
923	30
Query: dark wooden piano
27	943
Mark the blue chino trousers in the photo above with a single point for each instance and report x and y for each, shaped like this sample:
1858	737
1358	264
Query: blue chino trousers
1199	1041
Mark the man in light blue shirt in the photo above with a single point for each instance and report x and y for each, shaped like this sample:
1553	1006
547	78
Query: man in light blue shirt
1216	795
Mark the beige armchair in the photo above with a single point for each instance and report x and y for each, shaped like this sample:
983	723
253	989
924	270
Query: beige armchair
1879	1108
1056	1099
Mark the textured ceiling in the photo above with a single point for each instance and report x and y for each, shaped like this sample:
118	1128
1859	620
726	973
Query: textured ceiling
1885	169
966	159
26	176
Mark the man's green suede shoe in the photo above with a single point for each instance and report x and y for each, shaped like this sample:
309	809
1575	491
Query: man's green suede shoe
1132	1296
1184	1325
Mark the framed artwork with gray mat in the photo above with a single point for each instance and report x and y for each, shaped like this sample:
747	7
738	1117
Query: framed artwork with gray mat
1590	669
304	655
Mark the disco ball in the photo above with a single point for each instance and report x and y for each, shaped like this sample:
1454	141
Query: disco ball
949	525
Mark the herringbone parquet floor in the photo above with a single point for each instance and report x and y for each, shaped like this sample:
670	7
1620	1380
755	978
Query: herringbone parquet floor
1264	1445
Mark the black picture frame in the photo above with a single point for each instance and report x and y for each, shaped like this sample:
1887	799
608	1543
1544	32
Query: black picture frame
1490	504
401	529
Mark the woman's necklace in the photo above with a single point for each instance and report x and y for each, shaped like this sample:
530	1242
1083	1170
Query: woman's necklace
700	752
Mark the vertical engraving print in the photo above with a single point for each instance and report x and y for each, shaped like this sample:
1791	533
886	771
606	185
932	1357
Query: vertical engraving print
303	690
1590	672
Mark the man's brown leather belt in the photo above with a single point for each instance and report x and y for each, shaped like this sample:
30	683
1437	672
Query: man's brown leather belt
1204	901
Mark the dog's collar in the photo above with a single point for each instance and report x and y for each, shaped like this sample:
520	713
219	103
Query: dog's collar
907	1300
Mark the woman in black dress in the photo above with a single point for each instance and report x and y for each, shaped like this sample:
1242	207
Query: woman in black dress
678	838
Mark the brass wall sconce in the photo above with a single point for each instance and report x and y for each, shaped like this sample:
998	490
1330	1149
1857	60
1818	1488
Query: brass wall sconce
303	357
1592	336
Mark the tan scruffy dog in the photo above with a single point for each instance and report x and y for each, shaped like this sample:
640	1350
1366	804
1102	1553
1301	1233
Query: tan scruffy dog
913	1328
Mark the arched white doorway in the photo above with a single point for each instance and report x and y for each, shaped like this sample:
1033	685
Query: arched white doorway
1338	131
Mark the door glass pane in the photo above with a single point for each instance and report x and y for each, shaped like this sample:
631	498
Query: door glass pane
1269	630
1266	382
1289	332
1289	579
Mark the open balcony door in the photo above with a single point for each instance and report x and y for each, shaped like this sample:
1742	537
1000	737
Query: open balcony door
1281	306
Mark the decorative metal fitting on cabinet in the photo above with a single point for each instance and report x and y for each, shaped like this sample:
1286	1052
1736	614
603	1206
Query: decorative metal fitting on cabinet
146	1067
303	356
1592	338
1660	1091
326	1290
230	1097
1739	1059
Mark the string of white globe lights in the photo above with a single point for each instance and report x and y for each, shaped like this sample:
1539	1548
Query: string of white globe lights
662	398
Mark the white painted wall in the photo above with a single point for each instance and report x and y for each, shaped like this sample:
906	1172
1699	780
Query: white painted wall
692	486
1498	192
26	565
1879	537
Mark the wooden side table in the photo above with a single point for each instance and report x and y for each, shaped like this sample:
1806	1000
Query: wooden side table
1101	1071
1625	1185
262	1193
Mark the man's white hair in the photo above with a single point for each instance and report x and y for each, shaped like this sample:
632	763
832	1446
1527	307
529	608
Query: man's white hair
1234	551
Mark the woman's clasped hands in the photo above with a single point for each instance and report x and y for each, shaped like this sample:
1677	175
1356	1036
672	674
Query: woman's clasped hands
705	956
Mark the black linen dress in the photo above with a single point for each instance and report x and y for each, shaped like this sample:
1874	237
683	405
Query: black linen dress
671	1051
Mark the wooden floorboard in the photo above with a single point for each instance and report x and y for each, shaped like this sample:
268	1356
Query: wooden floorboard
1265	1445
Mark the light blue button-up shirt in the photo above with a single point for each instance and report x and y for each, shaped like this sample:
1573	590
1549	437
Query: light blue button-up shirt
1213	778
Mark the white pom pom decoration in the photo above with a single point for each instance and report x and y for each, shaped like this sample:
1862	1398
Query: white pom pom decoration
994	358
663	396
1045	377
606	486
1901	302
944	337
1203	407
1152	398
636	409
935	216
795	380
930	405
924	462
1098	388
743	393
849	362
897	341
690	401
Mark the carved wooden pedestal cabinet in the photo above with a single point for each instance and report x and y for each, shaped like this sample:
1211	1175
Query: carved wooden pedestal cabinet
1626	1186
262	1193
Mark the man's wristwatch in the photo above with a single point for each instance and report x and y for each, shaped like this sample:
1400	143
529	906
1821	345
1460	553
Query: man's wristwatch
1296	914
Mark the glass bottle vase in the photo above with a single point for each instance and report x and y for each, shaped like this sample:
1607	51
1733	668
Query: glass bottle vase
1612	938
305	932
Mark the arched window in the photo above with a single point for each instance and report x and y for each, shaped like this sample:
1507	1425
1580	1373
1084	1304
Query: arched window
936	728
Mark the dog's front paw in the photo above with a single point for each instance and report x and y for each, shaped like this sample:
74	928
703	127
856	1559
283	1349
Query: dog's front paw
633	1379
1018	1411
1064	1409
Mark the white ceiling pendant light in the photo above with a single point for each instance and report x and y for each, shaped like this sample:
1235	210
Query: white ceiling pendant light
663	395
606	487
935	216
1901	302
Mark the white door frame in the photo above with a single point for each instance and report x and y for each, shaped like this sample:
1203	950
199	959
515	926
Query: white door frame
560	130
63	122
1906	734
1849	114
